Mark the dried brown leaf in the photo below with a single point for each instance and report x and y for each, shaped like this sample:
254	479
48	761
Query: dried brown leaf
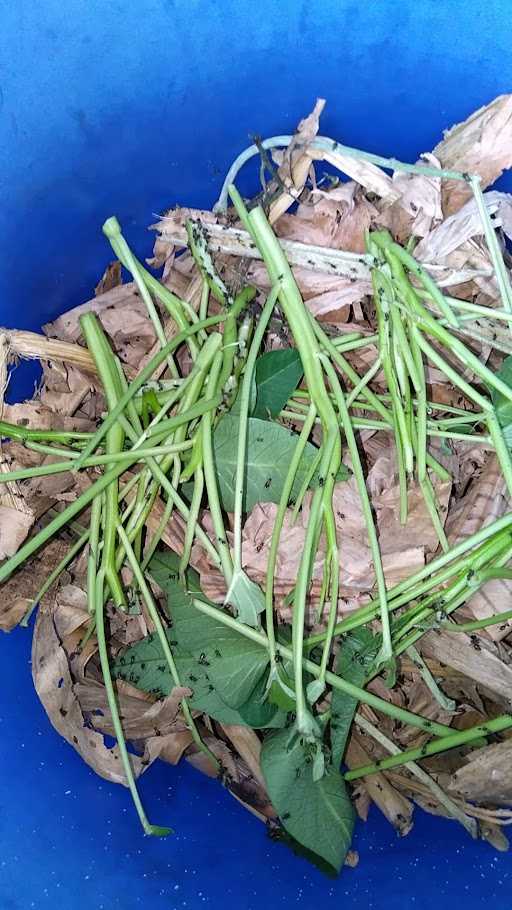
396	807
139	718
418	207
464	224
14	528
295	165
487	776
248	747
485	501
111	278
484	666
20	589
54	686
482	144
124	317
418	530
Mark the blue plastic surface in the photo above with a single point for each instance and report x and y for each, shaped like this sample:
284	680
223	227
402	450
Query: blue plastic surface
125	108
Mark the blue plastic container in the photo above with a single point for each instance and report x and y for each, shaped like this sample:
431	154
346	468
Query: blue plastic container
110	107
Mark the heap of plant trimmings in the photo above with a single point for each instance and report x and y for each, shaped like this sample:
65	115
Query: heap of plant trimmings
414	327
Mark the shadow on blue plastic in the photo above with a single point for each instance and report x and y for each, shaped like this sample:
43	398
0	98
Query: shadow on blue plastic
127	108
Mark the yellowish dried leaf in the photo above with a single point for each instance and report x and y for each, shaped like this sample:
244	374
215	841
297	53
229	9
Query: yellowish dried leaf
54	686
482	145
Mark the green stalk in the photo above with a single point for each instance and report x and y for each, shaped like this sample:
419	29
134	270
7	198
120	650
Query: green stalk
193	519
453	741
363	382
98	610
477	624
415	585
13	431
210	477
492	244
112	230
164	643
438	793
447	704
53	576
129	455
307	345
337	682
243	425
144	375
276	533
93	558
107	371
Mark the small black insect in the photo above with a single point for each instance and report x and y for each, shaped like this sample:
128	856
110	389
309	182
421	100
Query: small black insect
193	678
268	483
475	643
217	653
203	659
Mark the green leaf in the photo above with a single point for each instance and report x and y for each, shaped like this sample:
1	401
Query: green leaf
235	665
502	405
191	639
317	814
270	447
164	569
247	598
355	659
145	666
277	375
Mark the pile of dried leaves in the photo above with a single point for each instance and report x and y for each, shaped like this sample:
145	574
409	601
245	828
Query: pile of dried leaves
450	663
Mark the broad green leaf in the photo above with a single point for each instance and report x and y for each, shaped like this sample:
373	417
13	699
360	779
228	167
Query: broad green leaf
270	447
235	665
317	814
355	659
145	666
259	713
277	375
502	405
246	597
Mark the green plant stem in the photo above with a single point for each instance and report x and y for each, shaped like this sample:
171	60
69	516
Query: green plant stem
189	389
210	477
307	345
105	363
452	741
98	610
230	340
438	793
130	455
53	576
193	519
93	558
496	256
387	651
326	144
243	424
363	382
440	569
144	375
337	682
276	533
13	431
164	643
112	230
447	704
